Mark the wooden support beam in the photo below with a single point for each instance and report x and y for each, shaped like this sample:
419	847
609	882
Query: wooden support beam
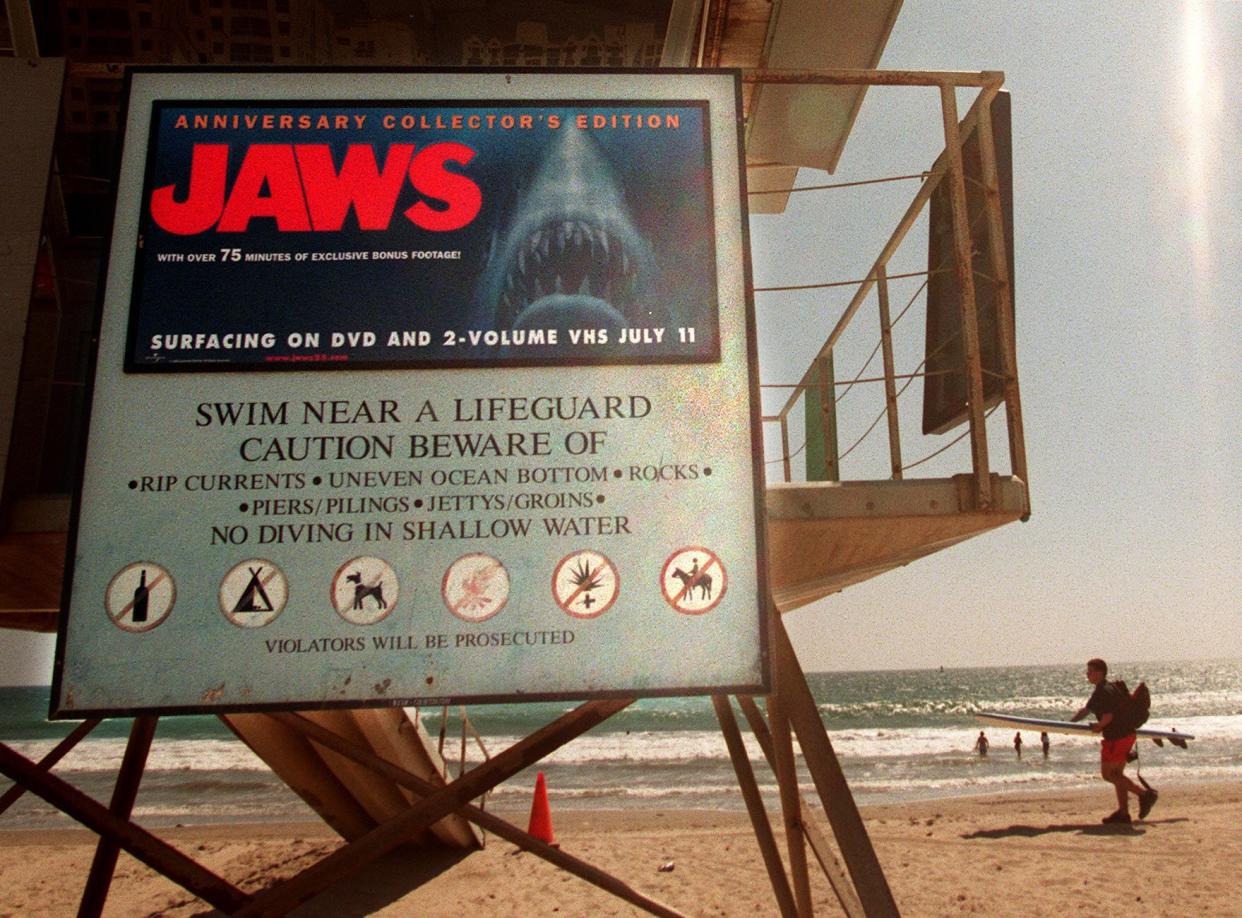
815	837
156	854
837	77
786	771
754	806
14	793
383	838
478	816
300	766
785	459
713	32
821	454
22	29
890	373
124	793
964	261
834	792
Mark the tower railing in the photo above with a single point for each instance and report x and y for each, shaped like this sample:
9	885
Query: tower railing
947	170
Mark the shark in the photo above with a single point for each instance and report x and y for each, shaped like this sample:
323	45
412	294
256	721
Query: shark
569	254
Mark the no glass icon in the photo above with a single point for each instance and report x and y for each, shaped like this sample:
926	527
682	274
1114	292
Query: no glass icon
140	596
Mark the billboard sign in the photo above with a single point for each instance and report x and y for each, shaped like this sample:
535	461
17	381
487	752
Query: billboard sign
419	386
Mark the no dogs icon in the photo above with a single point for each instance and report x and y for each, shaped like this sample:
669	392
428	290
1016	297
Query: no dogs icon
693	580
364	590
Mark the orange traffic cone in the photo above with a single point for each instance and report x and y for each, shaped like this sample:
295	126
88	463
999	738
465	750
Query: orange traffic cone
540	815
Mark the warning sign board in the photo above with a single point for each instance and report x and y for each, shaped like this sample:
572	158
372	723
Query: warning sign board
442	367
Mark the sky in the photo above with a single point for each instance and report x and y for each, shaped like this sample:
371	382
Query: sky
1126	122
1127	128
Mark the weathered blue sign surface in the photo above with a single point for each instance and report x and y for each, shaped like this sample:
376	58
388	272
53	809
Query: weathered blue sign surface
420	386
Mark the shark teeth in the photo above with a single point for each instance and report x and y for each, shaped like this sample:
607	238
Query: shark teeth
569	256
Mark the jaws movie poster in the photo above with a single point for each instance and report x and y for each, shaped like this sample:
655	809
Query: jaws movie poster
420	386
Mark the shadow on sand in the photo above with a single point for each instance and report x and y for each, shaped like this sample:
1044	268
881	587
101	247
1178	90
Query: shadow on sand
1080	828
380	883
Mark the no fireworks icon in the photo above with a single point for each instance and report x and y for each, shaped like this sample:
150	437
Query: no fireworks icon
475	587
693	580
585	584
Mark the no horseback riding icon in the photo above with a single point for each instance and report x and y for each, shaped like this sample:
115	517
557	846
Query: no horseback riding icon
693	580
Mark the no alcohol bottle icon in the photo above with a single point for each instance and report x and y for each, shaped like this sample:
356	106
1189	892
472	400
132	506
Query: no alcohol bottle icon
140	596
253	593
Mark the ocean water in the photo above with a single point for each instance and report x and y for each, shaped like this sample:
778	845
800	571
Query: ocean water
901	735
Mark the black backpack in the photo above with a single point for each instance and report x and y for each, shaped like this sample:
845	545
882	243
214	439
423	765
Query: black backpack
1135	706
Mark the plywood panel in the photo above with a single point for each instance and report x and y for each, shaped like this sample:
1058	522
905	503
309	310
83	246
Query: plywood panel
32	566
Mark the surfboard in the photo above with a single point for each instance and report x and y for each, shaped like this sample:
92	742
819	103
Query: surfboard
1082	728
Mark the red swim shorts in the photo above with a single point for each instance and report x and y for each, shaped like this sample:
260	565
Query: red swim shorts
1116	750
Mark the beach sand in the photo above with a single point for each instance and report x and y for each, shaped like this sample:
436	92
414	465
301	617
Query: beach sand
1043	854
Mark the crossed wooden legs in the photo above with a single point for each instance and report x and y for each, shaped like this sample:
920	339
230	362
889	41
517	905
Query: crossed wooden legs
860	885
862	890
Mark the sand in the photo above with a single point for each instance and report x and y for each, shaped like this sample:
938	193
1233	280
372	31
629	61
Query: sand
1042	854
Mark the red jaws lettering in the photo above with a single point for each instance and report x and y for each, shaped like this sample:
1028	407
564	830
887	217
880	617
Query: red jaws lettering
305	192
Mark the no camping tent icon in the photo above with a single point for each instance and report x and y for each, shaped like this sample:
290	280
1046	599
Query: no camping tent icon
253	593
254	598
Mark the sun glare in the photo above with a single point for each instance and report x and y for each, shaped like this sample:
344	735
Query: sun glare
1199	111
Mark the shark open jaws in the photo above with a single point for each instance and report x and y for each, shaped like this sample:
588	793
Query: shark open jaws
570	255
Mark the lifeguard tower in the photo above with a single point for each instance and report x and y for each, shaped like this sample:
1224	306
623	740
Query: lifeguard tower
375	775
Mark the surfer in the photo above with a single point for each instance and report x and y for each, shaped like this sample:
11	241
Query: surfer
1017	744
981	745
1105	703
1044	742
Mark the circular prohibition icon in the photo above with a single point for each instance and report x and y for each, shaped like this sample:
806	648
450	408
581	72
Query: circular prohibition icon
140	596
475	587
364	590
253	593
585	584
693	580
